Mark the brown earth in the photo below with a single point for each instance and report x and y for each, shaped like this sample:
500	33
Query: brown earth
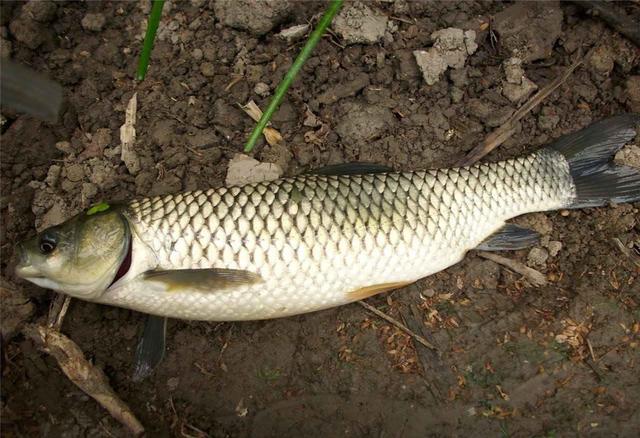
561	360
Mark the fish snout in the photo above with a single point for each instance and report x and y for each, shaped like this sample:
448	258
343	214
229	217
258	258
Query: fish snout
24	268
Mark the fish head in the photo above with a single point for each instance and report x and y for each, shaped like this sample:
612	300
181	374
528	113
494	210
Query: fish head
81	257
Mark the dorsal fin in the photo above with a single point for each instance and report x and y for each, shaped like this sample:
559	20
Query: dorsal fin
351	169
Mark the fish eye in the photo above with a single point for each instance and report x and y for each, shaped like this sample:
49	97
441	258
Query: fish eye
47	243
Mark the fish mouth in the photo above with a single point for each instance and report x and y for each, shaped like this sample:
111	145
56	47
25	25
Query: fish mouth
28	272
125	265
24	268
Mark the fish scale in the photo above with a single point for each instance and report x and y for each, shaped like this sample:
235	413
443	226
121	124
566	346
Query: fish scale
317	240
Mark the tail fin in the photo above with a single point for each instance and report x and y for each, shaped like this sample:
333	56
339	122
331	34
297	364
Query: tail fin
590	152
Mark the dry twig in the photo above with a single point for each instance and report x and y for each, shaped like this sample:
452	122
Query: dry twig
79	370
536	278
398	324
82	373
58	311
501	134
635	258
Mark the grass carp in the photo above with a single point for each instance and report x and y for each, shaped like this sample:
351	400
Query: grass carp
315	241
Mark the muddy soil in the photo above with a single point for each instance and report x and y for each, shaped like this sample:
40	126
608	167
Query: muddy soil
514	360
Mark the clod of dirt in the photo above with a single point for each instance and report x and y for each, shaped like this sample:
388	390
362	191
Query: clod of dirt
363	123
489	113
207	69
167	185
293	33
88	192
529	30
517	86
629	156
40	10
342	90
632	87
601	60
358	24
538	257
74	172
96	144
257	18
548	119
277	153
554	247
29	32
65	147
16	309
244	169
57	214
539	222
101	172
513	70
482	274
197	54
519	93
53	175
432	65
261	89
93	22
451	48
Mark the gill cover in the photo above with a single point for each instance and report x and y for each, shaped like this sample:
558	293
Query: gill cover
80	257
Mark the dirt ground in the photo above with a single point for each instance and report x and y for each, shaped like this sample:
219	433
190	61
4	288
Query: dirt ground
513	360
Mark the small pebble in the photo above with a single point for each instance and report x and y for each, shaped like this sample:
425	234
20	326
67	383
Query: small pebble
93	22
207	69
261	89
74	172
537	257
53	175
554	247
172	383
428	293
89	191
513	70
197	54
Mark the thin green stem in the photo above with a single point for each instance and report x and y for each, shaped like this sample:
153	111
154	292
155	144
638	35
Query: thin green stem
326	19
149	37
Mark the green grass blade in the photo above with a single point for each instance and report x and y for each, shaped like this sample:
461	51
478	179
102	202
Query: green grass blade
326	19
149	38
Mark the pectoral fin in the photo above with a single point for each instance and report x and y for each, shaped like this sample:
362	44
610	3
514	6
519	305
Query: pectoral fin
510	238
204	280
151	347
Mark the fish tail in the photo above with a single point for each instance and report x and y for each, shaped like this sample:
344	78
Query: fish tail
590	153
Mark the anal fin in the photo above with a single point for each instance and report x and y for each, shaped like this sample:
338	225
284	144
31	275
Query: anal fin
369	291
510	238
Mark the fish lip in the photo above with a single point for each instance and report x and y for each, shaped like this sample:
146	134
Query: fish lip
28	272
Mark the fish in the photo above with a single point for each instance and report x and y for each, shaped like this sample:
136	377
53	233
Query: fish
318	240
315	241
